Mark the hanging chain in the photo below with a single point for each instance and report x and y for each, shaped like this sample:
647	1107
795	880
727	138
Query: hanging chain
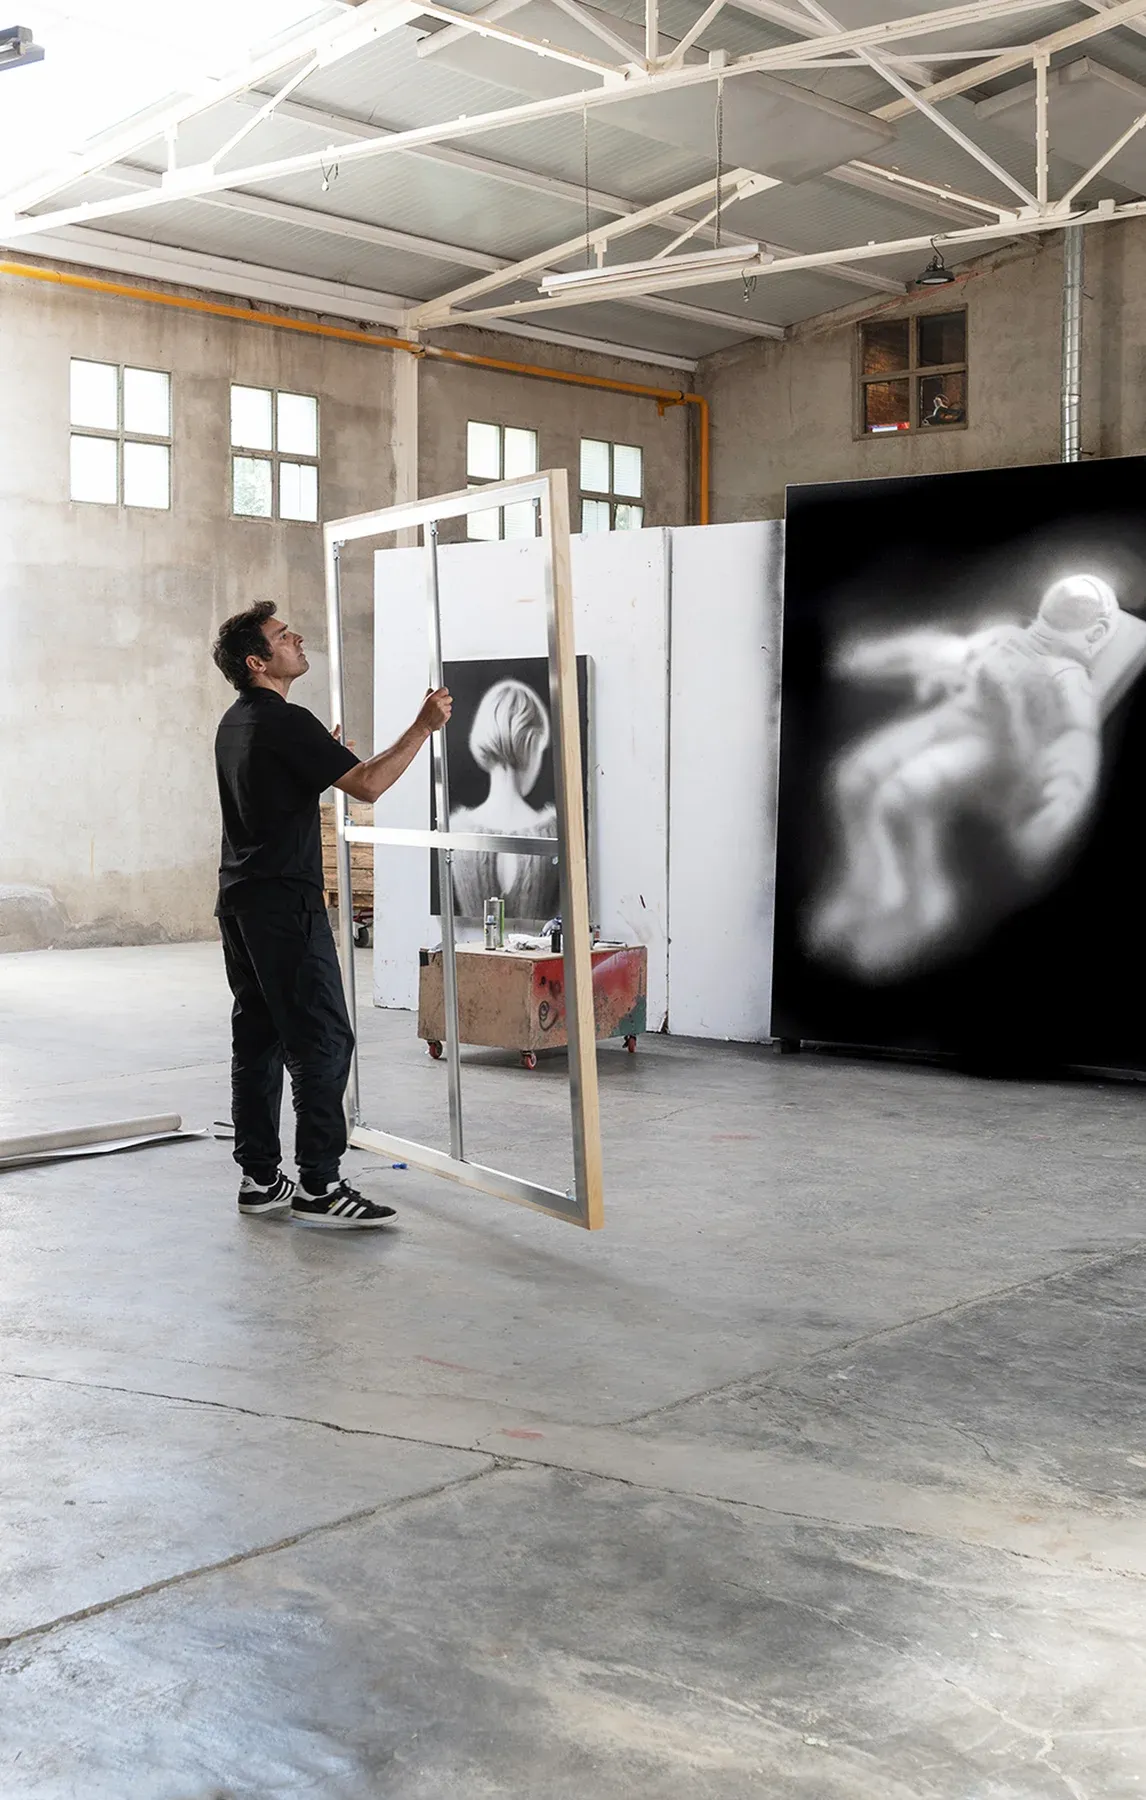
719	154
585	137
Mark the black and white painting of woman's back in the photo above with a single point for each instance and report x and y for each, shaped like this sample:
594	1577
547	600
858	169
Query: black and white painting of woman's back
500	747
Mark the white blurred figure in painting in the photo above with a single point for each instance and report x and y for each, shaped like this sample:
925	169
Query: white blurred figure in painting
1006	731
509	740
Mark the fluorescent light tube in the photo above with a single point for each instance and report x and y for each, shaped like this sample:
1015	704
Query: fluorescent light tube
637	274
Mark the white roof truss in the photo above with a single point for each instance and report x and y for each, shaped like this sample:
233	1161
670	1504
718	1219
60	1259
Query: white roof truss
630	65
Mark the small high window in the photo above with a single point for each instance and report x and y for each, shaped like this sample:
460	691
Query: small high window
274	455
121	435
912	373
498	453
612	483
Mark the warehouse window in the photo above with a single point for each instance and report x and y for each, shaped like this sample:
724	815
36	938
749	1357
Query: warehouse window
612	478
912	373
274	455
121	435
498	453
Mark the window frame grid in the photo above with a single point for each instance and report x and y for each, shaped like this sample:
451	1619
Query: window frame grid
914	373
122	436
609	497
276	457
474	482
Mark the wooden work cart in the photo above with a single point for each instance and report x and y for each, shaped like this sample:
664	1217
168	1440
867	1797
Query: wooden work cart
515	999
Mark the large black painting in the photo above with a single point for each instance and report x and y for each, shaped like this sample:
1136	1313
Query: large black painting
500	743
963	766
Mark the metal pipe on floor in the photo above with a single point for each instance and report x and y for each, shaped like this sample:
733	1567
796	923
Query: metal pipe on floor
1072	344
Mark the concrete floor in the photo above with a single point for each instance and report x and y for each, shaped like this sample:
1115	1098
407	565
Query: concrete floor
820	1474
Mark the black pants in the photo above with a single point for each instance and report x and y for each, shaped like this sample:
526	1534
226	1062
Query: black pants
289	1009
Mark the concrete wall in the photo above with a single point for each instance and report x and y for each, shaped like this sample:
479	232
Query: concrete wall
452	394
785	412
108	698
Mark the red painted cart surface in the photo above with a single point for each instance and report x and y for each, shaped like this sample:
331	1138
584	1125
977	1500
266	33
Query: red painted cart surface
515	999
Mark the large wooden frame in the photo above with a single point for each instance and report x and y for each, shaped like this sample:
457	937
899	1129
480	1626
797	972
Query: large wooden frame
583	1203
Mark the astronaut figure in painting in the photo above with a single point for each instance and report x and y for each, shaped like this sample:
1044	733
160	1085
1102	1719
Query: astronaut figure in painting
1005	734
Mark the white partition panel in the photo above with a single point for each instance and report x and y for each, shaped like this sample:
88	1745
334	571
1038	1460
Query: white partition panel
727	590
491	601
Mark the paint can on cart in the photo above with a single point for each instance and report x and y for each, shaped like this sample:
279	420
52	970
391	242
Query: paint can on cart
495	923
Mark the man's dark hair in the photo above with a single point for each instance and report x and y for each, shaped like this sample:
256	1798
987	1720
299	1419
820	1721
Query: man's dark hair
239	638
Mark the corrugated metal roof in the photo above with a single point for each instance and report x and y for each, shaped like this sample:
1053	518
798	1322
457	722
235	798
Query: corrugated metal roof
479	199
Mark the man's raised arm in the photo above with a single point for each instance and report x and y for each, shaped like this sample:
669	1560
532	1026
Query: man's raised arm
368	780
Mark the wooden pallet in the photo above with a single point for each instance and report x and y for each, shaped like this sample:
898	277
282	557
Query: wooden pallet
360	812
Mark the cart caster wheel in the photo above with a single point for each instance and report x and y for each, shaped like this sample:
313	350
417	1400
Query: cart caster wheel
435	1050
529	1059
364	936
631	1045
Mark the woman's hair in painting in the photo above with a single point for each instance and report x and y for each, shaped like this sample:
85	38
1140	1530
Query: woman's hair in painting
509	727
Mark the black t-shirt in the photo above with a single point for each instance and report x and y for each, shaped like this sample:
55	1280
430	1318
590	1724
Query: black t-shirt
273	762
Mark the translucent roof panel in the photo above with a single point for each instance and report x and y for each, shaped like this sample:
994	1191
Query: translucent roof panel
107	60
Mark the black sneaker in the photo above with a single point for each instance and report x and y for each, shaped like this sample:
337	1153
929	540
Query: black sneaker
341	1208
275	1198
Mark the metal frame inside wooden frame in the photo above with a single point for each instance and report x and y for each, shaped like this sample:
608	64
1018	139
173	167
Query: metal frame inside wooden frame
583	1203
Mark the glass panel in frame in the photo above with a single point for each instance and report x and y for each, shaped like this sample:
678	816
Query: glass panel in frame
887	406
297	425
95	470
147	475
885	346
483	452
628	471
147	402
594	466
520	454
484	526
253	486
251	418
95	395
942	339
520	521
628	517
298	491
595	515
943	399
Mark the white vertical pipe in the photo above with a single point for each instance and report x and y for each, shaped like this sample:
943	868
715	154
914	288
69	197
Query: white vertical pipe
1072	344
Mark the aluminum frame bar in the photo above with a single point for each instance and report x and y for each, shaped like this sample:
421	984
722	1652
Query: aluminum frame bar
583	1204
414	838
440	767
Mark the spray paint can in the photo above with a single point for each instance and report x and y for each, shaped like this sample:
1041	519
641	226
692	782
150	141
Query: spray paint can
495	923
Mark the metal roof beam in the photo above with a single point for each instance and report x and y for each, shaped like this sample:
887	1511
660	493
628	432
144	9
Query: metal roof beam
733	186
329	42
1124	13
828	261
308	219
332	299
880	66
192	182
313	219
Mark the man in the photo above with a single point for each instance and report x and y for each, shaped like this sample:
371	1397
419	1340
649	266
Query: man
273	762
1008	733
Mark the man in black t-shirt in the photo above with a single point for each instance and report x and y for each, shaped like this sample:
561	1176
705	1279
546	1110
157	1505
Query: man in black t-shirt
273	762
